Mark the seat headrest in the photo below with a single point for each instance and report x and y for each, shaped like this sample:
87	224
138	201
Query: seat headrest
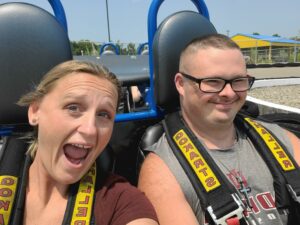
173	34
31	42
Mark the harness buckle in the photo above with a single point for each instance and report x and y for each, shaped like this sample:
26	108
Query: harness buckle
236	213
293	193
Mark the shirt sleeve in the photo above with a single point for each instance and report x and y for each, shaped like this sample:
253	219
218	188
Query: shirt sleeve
118	203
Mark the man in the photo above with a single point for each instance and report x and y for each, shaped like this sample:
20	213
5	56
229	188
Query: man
212	83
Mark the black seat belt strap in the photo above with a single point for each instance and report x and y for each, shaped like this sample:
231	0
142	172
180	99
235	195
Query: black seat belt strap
217	195
281	163
81	200
12	162
14	168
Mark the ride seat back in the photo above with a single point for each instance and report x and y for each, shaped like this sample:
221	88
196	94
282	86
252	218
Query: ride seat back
173	34
31	42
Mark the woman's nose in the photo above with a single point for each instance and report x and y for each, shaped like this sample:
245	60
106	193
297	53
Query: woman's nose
88	125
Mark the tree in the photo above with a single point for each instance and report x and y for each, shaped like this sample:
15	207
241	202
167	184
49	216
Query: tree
84	47
123	51
131	49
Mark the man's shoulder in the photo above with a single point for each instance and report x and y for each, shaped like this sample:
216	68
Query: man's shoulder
276	129
160	142
153	162
154	169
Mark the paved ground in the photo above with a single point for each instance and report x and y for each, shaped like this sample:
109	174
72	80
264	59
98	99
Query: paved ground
285	95
275	72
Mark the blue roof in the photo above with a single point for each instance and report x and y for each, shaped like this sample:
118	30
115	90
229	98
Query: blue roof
270	38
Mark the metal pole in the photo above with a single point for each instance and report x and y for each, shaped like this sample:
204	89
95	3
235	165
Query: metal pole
295	54
107	18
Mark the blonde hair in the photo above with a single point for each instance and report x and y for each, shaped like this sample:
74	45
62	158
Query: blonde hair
51	78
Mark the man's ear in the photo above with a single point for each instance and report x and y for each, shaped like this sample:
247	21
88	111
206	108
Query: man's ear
33	114
179	82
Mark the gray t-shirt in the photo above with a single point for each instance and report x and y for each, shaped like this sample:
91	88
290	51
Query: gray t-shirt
242	160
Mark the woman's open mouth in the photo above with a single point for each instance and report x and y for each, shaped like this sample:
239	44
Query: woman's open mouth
76	153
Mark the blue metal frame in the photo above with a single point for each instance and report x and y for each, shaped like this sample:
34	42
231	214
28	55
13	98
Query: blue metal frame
152	27
116	49
141	48
59	13
6	131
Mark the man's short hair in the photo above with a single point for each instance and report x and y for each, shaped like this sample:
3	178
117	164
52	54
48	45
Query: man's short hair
213	40
219	41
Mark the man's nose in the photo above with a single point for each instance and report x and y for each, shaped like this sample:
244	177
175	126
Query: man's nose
227	90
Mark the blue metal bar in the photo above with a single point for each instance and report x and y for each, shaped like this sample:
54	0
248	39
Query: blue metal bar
202	8
152	27
136	115
59	13
6	131
116	49
141	48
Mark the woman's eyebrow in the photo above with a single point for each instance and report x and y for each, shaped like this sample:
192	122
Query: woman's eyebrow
73	95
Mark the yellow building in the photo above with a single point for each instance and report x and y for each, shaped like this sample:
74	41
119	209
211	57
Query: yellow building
267	49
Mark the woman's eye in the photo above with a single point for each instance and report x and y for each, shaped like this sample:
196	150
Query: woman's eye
104	114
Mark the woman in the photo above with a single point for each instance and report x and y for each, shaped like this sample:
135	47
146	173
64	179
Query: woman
73	110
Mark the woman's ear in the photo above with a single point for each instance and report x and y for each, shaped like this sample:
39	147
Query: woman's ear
33	114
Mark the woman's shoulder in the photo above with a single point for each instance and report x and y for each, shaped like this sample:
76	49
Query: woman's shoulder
119	202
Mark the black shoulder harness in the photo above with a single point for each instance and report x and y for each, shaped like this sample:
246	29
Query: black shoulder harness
13	180
217	196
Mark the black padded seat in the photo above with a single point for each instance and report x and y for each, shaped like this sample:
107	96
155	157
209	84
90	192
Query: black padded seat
32	42
173	34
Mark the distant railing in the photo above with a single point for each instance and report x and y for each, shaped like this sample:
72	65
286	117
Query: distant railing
256	52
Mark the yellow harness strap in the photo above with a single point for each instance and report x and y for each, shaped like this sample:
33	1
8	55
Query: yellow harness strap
196	161
83	207
276	149
8	186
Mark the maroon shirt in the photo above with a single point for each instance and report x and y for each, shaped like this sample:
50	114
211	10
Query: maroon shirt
118	203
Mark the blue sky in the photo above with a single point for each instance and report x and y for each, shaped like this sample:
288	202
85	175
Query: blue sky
128	18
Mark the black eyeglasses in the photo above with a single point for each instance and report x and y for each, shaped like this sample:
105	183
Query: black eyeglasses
215	85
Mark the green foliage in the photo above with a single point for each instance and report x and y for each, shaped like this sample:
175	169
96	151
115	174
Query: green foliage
130	49
84	47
